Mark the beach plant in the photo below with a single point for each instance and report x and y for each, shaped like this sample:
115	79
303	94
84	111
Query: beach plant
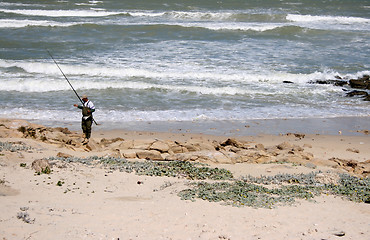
282	189
189	170
13	147
258	192
60	183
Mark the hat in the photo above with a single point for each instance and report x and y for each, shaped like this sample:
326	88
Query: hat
84	96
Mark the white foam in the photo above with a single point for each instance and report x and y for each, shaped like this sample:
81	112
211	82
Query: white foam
338	19
60	13
173	73
11	23
191	15
236	26
105	115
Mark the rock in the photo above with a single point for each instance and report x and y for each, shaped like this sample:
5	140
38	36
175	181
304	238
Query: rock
192	147
284	146
106	142
260	146
217	157
92	145
361	83
232	142
361	168
205	146
177	149
306	155
41	166
64	155
310	165
357	93
150	155
334	82
339	233
297	135
63	130
366	132
142	144
353	150
116	153
128	144
129	153
160	146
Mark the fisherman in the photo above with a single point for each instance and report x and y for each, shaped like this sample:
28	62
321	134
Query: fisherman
87	109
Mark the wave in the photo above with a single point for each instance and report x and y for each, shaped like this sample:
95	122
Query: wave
11	23
173	74
117	72
334	19
258	27
213	83
60	13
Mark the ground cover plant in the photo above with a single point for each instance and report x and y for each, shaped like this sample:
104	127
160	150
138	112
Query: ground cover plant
13	147
263	191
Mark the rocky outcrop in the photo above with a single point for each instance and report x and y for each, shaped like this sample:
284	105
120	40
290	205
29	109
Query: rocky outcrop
359	83
41	166
357	93
228	151
340	83
360	168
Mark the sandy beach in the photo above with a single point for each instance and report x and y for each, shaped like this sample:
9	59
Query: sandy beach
74	197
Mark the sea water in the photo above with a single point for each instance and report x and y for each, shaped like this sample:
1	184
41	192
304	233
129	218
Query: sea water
173	61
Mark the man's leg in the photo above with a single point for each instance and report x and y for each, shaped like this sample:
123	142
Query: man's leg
88	124
84	128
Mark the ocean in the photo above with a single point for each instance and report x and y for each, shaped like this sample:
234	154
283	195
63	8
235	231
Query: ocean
181	61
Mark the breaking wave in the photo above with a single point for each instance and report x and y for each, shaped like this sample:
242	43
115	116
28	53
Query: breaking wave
335	19
60	13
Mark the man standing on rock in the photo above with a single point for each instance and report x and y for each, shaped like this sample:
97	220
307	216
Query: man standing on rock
87	109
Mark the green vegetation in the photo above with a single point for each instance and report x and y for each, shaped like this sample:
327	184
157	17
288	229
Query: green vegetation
13	147
264	191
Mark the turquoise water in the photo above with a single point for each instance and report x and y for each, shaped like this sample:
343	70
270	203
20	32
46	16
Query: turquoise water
182	60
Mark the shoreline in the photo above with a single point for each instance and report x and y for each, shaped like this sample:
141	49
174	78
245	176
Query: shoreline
347	126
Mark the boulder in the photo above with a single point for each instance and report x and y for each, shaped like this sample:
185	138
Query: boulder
232	142
41	166
105	142
333	82
192	147
142	144
129	153
127	144
116	153
64	155
357	93
361	83
260	146
177	149
160	146
284	146
149	155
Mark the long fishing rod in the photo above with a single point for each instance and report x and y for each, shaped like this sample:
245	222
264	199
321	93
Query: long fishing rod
69	82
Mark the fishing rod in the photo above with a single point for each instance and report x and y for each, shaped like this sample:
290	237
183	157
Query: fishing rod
69	83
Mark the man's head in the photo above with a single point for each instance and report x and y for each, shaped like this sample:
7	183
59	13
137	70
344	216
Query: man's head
84	98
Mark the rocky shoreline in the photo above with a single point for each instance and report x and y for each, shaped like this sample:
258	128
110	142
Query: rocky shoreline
225	151
359	83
